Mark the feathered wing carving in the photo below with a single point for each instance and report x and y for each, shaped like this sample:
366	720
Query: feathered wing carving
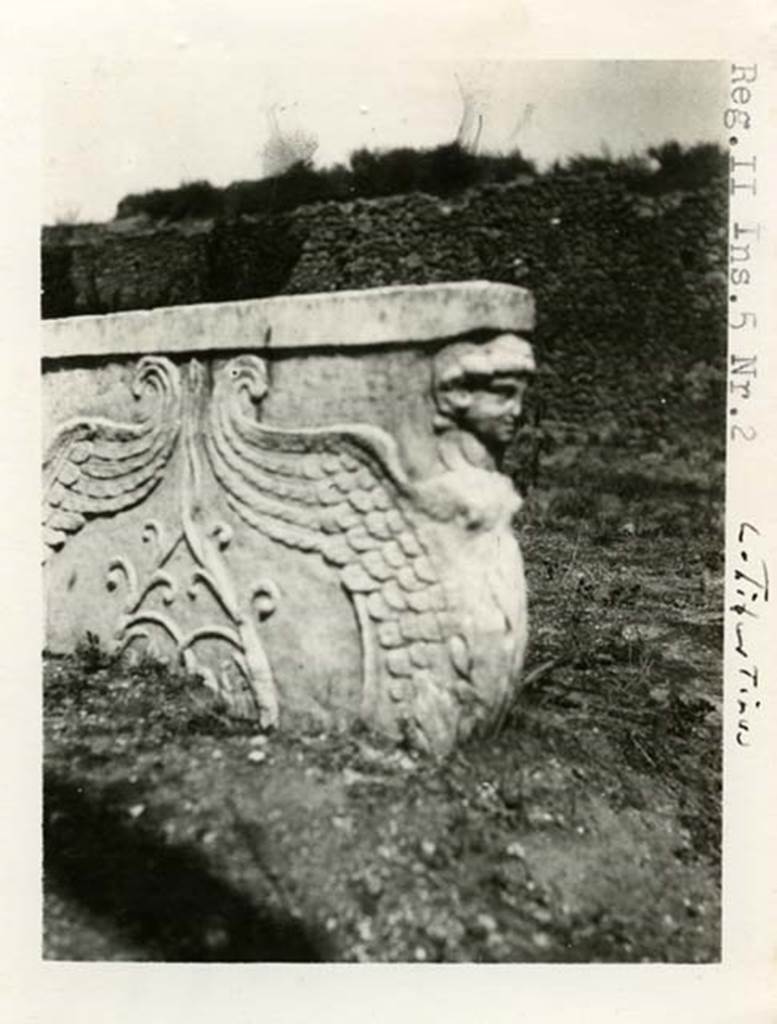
341	492
98	467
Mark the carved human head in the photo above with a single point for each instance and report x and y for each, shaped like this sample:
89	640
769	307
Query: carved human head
479	387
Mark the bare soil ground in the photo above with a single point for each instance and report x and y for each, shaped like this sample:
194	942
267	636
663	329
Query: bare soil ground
588	829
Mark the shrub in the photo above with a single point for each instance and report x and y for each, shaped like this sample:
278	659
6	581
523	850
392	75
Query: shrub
441	170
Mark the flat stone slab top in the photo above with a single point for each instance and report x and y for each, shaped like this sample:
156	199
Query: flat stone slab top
299	498
377	316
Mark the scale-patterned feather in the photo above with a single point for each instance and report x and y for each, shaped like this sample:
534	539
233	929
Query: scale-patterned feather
342	492
98	467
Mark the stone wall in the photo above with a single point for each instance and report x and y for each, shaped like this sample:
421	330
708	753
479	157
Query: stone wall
630	290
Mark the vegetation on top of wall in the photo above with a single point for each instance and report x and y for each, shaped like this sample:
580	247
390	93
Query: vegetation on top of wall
666	168
442	170
629	281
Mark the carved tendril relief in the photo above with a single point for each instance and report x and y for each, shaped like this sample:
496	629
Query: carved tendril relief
204	544
237	630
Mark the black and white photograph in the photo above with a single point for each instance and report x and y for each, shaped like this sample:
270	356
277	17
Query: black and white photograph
489	328
395	607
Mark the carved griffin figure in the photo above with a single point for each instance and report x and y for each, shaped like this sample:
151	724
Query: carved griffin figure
399	546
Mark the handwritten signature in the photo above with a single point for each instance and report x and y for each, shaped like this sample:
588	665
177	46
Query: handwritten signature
752	578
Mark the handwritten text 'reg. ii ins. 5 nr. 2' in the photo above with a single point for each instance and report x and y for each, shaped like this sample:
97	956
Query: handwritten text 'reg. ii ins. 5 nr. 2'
748	532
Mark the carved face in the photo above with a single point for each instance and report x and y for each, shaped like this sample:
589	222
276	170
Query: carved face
493	411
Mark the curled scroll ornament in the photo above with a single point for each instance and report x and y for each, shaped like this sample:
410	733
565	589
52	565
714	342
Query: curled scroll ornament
205	545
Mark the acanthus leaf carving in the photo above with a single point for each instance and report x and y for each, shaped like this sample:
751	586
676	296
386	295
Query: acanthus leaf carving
205	547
